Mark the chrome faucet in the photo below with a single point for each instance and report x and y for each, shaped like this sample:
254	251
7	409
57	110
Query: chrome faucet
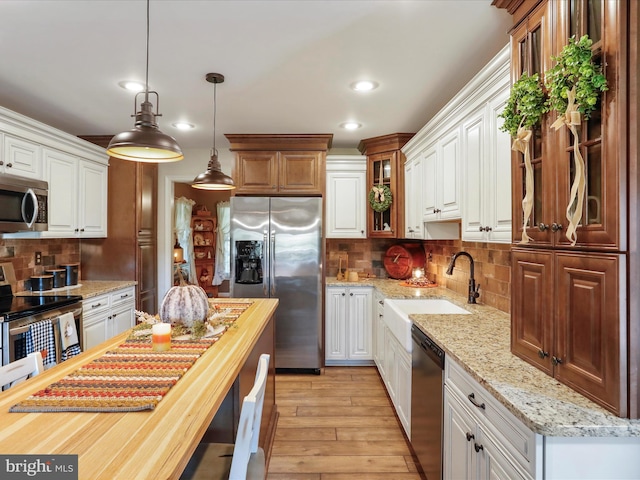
473	289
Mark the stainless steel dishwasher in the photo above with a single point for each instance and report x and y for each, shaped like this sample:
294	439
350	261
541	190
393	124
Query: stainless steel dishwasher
427	371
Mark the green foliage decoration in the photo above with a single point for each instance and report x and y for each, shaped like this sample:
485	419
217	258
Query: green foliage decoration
575	68
378	204
526	105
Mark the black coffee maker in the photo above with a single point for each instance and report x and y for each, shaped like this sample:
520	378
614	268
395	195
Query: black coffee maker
248	262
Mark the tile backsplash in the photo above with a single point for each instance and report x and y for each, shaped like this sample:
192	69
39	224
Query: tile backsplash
21	253
492	264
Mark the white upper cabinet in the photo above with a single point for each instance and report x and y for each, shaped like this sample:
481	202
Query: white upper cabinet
75	170
77	196
466	162
21	157
487	173
346	195
413	179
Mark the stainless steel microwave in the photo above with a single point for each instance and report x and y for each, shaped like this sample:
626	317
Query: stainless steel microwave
23	204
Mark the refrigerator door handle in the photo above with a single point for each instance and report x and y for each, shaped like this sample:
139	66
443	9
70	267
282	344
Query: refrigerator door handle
272	266
266	258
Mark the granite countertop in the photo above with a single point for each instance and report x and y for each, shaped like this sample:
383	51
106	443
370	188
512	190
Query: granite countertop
480	343
85	288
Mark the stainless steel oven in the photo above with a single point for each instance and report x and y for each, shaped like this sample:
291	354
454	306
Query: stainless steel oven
14	333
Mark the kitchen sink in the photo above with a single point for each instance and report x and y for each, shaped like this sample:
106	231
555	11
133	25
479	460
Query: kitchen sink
397	311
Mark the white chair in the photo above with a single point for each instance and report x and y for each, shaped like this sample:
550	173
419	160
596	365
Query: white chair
20	370
244	459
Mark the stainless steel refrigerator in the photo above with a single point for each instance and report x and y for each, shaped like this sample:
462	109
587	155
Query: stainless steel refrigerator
277	252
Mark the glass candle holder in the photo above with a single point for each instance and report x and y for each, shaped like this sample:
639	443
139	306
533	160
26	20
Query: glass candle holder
417	273
161	337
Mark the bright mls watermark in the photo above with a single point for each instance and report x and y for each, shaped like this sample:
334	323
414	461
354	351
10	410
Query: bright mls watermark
45	467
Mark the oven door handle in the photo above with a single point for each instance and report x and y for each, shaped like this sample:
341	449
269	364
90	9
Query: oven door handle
54	320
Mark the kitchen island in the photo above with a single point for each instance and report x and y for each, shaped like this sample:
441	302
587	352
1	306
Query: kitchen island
148	444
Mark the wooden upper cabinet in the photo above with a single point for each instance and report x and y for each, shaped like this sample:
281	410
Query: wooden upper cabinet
531	50
256	172
602	138
279	164
385	166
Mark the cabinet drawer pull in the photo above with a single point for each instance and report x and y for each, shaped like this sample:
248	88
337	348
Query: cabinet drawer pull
470	436
478	447
96	305
472	399
124	296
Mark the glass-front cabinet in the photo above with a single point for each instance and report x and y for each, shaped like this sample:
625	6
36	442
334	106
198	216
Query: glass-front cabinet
552	152
385	184
530	54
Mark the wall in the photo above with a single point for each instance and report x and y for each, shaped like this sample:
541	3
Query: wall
492	265
21	253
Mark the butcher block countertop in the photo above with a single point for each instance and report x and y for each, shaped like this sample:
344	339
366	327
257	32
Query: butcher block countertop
86	288
149	444
481	344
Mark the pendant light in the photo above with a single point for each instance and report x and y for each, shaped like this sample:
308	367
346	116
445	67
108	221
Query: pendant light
213	178
145	142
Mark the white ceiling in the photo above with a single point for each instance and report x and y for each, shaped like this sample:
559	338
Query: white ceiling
288	64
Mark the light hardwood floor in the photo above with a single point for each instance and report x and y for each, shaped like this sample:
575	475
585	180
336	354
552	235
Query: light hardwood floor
337	426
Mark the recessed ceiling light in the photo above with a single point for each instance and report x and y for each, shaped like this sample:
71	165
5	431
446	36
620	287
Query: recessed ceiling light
131	85
364	85
351	125
183	125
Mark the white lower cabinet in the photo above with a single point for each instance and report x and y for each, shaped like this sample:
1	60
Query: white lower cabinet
394	365
479	430
348	326
469	452
107	315
483	440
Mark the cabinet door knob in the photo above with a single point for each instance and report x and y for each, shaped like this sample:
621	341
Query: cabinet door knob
481	229
478	447
380	302
343	294
470	436
542	353
542	227
556	226
556	361
472	399
351	294
488	229
362	232
1	163
9	165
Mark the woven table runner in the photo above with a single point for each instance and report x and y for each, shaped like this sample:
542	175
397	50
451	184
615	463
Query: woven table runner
130	378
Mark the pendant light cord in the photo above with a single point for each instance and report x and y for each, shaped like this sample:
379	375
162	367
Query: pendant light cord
215	152
146	80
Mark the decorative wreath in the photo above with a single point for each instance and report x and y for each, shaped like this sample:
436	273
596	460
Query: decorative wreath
380	198
525	106
575	70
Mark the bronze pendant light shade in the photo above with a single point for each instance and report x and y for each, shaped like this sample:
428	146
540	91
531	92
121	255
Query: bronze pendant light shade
213	178
145	142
